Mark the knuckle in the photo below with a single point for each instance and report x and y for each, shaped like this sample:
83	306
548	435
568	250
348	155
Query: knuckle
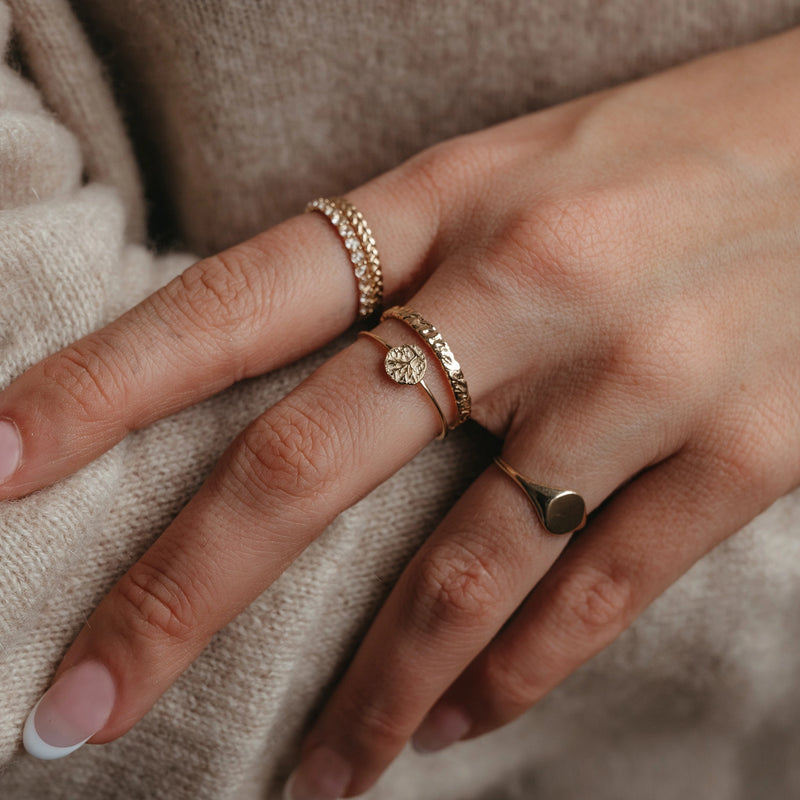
657	354
673	350
566	242
592	602
651	367
741	455
156	605
591	607
510	686
451	586
736	469
449	173
292	451
218	294
446	166
564	246
91	376
372	730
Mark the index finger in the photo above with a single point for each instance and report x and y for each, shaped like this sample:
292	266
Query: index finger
250	309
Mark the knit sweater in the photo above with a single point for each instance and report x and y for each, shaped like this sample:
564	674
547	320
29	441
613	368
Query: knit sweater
136	135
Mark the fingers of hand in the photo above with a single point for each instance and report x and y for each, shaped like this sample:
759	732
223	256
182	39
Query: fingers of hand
243	312
305	460
451	599
479	565
457	592
638	545
428	665
339	434
207	328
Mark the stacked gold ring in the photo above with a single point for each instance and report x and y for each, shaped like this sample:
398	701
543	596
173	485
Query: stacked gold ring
442	351
360	245
560	511
406	364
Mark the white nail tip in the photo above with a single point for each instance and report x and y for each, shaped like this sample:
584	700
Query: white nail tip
39	748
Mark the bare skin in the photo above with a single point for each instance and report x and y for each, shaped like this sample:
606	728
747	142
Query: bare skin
620	279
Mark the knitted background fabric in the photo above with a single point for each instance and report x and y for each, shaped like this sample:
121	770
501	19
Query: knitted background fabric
214	120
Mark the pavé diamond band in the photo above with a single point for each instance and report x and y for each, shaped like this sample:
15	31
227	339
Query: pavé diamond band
359	243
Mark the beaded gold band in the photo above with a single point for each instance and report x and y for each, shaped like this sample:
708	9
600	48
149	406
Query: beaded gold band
361	250
406	364
559	510
442	351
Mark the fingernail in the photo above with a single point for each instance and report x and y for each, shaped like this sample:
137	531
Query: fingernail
70	712
321	775
10	449
443	726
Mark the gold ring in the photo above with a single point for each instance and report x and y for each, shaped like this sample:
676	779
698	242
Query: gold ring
560	510
442	351
406	364
360	246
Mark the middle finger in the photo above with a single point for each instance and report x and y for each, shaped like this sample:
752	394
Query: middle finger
327	444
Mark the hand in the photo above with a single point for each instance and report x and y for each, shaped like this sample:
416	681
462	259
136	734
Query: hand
618	277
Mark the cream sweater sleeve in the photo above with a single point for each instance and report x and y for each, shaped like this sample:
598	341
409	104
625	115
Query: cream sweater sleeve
66	267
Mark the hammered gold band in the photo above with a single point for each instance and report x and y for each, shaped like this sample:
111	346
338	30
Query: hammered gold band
559	510
406	364
360	245
442	351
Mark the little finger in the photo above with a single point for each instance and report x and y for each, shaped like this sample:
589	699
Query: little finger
633	550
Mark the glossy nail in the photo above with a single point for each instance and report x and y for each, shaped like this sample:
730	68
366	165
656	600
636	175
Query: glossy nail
443	726
70	712
321	775
10	449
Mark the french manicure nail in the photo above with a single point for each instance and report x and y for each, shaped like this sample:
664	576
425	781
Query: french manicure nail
443	726
70	712
10	449
321	775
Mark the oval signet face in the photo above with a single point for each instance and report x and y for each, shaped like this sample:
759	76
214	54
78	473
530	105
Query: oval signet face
565	513
406	364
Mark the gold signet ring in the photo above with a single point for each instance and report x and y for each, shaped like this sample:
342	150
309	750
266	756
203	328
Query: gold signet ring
560	510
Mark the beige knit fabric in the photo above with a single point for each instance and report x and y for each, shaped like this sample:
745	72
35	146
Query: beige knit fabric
238	111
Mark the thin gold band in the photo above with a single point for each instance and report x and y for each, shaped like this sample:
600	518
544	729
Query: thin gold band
442	351
419	382
360	246
560	511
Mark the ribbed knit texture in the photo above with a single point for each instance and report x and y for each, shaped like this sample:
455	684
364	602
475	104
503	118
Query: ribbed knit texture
239	111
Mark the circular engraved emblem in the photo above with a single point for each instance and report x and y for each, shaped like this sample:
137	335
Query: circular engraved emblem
406	364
